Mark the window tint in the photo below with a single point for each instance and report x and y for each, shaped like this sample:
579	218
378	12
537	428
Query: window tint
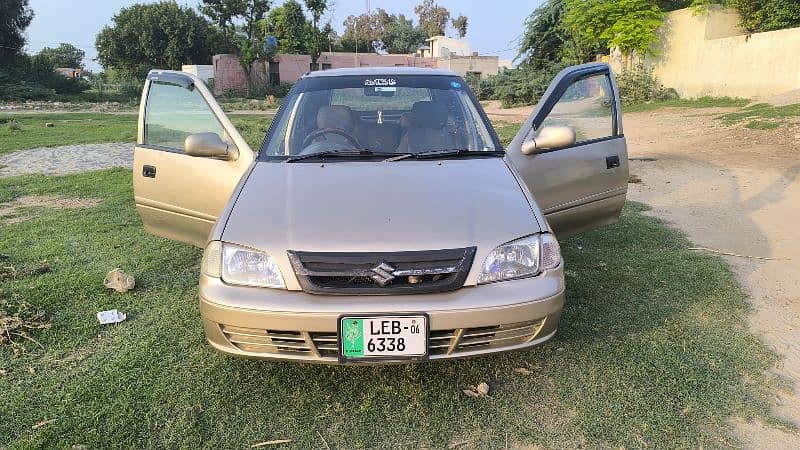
173	112
586	106
402	98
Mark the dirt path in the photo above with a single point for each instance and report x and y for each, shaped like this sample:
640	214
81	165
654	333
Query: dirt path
66	159
736	190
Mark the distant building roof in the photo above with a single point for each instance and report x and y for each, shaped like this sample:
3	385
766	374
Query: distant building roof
375	71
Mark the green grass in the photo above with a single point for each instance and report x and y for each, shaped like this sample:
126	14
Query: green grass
653	351
506	131
22	131
699	102
763	125
244	104
762	116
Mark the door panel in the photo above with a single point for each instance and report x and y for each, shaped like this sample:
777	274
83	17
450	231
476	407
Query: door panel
584	185
180	196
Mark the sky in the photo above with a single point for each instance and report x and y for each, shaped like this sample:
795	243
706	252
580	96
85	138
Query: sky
494	26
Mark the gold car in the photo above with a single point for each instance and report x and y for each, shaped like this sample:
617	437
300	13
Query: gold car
381	220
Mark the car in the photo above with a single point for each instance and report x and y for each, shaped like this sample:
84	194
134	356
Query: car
381	220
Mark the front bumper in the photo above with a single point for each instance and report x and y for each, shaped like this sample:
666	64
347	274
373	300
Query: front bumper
294	325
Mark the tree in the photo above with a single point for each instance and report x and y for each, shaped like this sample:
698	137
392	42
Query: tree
629	25
460	25
15	16
239	21
401	36
223	13
316	37
362	30
432	18
156	35
381	31
767	15
288	23
65	55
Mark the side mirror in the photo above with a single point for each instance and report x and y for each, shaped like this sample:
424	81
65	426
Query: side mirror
205	144
552	137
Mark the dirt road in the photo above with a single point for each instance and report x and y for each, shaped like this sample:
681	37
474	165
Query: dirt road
736	190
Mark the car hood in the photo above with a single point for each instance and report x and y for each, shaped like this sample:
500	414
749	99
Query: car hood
380	206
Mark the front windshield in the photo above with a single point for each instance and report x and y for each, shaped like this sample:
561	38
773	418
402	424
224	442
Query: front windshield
392	114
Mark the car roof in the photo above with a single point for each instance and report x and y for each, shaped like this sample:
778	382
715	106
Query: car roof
376	71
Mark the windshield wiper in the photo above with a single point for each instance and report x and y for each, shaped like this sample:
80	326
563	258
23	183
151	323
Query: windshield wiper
354	153
457	153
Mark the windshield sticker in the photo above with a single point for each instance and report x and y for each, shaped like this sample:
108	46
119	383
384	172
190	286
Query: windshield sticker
455	85
385	89
380	82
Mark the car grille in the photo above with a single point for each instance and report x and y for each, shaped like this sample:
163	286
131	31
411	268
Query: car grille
325	346
382	273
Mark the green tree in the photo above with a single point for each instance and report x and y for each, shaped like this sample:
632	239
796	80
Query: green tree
401	36
629	25
317	38
15	16
460	24
362	30
767	15
156	35
432	18
65	55
381	31
288	23
545	35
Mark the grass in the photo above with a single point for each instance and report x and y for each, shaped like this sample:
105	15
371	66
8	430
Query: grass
699	102
244	104
762	116
23	131
506	131
653	351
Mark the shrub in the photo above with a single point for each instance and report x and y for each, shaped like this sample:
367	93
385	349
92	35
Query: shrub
523	85
638	85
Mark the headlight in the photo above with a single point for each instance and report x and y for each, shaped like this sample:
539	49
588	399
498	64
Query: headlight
522	258
241	265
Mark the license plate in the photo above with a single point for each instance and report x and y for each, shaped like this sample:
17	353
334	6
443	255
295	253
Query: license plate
383	337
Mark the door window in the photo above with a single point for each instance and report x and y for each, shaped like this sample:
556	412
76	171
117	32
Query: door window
587	106
174	112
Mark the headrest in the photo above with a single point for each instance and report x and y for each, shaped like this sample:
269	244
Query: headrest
339	117
428	115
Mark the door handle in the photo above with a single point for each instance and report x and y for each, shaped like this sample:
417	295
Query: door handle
612	162
149	171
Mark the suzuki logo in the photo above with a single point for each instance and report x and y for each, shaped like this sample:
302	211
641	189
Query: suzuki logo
383	274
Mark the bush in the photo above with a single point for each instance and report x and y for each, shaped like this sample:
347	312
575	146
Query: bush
32	78
639	85
263	91
521	86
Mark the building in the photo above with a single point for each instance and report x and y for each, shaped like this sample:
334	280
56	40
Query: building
203	71
440	52
443	46
69	72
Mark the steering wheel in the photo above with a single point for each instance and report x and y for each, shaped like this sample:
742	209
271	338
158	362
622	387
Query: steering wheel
350	138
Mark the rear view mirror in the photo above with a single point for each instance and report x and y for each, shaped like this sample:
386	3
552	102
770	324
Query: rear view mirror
205	144
552	137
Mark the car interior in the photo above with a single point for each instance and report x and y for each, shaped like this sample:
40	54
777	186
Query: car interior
437	123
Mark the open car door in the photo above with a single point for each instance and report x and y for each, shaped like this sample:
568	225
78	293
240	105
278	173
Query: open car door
571	153
188	158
